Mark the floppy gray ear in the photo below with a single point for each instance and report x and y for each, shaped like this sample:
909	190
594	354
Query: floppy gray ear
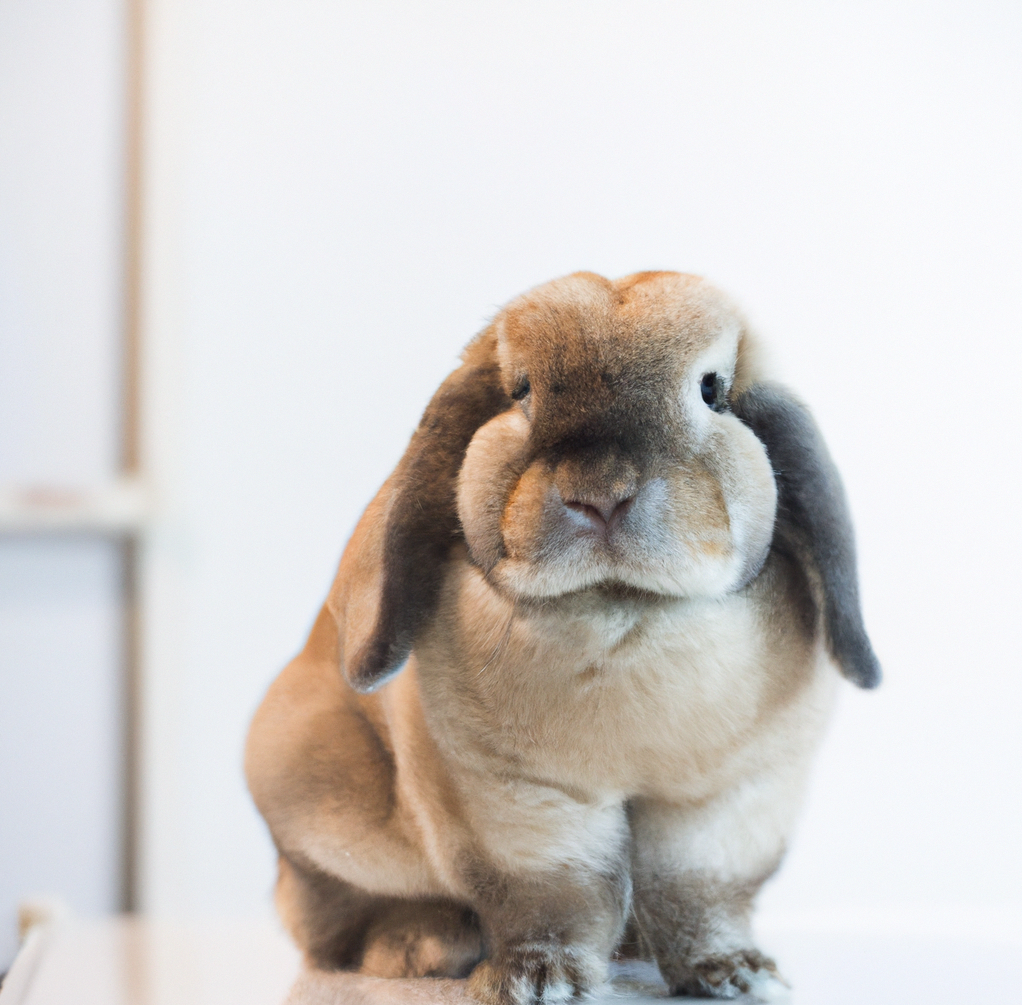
391	570
813	519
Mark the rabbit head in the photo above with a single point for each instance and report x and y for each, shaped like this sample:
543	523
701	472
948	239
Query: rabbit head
619	460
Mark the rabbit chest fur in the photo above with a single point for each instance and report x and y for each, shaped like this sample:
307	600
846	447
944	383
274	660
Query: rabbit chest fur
617	698
564	695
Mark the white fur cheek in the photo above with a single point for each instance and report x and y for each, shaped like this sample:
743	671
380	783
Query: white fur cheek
666	552
739	461
493	464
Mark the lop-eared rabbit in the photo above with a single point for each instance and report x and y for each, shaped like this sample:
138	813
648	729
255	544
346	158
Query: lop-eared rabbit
563	696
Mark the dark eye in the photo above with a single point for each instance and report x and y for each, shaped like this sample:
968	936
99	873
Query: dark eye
712	388
522	389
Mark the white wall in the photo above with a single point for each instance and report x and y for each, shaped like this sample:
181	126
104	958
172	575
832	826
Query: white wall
61	629
61	189
341	195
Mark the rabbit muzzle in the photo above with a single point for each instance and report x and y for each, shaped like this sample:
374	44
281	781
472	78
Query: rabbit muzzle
582	515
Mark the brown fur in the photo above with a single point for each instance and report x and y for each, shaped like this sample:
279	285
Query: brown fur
615	676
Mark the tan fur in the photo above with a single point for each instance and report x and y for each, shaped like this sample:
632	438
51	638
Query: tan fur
589	729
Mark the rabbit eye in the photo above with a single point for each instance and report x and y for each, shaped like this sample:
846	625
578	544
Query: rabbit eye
523	388
713	391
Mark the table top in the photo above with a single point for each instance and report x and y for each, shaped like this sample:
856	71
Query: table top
135	961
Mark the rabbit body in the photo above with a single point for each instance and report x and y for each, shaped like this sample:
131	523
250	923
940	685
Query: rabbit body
565	692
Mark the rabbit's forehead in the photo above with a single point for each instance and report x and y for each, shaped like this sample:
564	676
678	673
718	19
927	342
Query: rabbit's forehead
586	327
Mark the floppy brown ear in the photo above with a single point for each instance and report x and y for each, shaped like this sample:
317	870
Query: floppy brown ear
391	570
812	519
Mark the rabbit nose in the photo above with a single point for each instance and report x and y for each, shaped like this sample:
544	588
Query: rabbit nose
601	511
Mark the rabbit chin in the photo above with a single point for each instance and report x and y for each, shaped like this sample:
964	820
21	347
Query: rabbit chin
582	566
581	572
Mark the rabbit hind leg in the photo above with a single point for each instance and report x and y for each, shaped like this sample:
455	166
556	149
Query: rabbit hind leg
338	926
427	938
326	917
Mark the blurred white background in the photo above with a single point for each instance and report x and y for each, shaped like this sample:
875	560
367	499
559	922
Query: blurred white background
62	85
336	197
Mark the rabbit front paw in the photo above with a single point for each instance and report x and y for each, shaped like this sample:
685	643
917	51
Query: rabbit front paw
727	976
537	975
